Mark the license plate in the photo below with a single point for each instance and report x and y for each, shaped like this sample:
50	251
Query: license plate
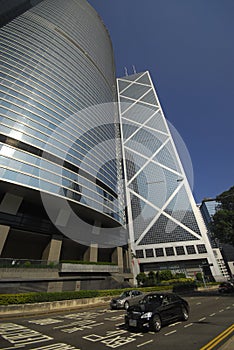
132	323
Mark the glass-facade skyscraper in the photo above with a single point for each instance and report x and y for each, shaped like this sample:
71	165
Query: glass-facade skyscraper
56	65
166	227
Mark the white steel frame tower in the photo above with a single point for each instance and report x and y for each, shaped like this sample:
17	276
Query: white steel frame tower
165	225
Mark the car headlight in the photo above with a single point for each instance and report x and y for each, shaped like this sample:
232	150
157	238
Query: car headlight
147	315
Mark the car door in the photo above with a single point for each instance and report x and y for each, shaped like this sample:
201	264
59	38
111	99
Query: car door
137	296
166	309
175	307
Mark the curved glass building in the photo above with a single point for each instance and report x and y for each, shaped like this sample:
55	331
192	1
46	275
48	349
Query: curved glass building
56	65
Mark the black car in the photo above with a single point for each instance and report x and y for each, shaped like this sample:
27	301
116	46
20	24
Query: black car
156	310
226	287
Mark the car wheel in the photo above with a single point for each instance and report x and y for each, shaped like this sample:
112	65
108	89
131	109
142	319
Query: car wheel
185	314
156	323
126	305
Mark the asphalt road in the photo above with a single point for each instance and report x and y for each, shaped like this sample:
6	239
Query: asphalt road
102	328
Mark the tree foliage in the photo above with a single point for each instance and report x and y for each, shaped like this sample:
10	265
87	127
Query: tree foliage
223	220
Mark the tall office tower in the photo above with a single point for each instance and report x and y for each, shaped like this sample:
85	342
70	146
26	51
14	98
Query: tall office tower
56	64
165	225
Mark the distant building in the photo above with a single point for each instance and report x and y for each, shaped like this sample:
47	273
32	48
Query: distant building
224	253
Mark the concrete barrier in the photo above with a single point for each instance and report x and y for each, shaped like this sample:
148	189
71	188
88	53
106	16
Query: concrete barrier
54	306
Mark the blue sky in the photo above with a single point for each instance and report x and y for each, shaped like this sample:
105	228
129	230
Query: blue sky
188	48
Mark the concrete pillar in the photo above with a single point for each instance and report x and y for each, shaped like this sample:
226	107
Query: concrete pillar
130	257
53	250
4	230
91	253
10	203
117	257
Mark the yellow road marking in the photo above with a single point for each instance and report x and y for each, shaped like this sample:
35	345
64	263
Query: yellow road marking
218	339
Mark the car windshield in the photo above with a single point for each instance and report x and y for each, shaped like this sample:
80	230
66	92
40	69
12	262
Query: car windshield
155	298
124	294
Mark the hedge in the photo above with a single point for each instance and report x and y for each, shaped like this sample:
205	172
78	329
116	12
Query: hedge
87	262
184	287
28	298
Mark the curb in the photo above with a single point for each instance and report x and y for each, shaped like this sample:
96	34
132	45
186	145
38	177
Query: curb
54	306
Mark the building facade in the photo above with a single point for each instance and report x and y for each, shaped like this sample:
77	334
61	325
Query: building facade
224	253
56	64
166	227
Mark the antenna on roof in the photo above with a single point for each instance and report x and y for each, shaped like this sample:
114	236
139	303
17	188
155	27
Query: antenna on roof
126	71
134	69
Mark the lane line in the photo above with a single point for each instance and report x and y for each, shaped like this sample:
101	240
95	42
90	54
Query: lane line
171	332
218	339
212	314
188	325
174	324
221	310
228	307
13	347
198	303
202	319
147	342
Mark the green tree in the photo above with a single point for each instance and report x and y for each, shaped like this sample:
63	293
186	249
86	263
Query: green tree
166	275
141	279
151	278
222	224
179	275
199	276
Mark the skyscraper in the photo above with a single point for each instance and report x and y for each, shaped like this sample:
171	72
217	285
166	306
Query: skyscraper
56	64
165	225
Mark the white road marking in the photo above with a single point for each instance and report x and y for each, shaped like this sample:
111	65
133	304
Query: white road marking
221	310
198	303
228	307
13	347
119	324
202	319
174	324
171	332
147	342
212	314
188	325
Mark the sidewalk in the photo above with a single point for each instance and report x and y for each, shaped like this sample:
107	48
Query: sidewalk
228	345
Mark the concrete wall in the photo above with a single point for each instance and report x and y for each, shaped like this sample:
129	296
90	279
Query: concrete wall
40	308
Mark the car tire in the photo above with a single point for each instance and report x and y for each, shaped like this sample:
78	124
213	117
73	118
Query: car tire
185	314
156	324
126	305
